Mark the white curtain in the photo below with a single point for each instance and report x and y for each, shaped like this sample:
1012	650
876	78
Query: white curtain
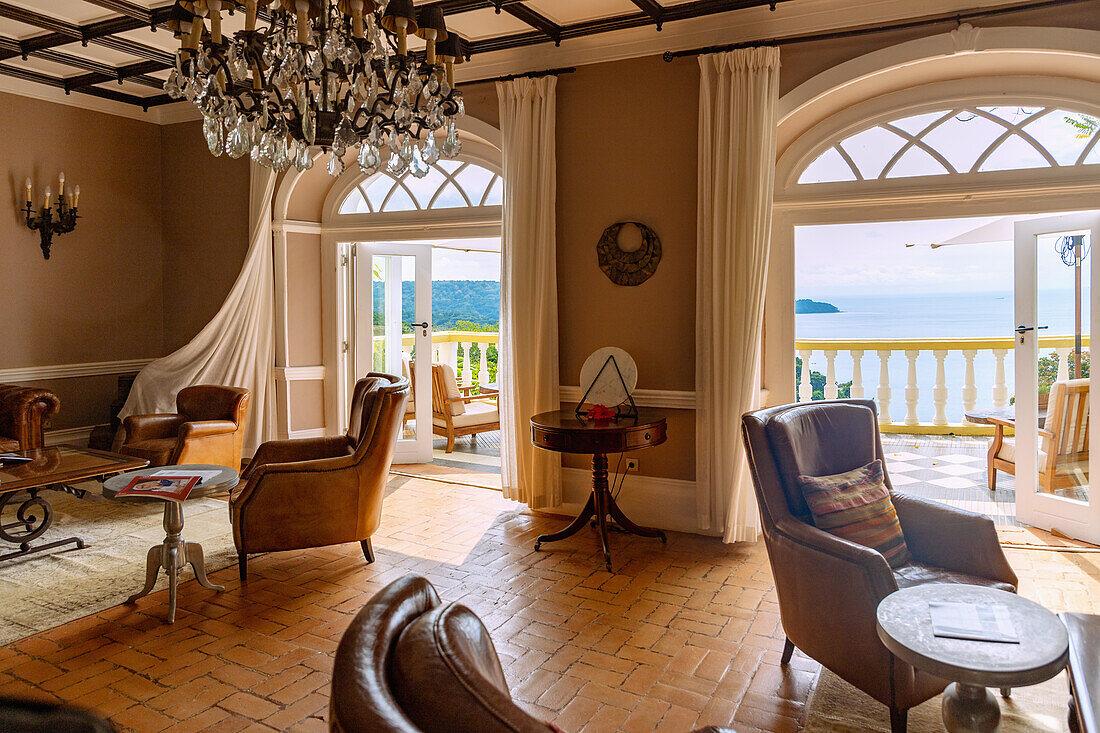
738	101
237	347
528	348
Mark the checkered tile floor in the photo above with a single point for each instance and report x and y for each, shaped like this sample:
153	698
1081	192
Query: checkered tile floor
950	470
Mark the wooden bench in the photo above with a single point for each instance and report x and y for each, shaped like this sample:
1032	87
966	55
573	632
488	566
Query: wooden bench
1084	671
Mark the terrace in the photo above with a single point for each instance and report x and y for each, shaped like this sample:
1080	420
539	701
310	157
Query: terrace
922	393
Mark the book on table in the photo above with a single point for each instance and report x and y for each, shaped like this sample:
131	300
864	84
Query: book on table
973	621
172	488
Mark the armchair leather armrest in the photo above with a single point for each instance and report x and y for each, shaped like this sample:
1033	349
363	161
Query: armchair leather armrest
151	427
952	538
866	559
206	428
291	451
253	483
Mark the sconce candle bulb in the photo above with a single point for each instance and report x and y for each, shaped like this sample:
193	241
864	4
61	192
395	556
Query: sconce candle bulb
44	221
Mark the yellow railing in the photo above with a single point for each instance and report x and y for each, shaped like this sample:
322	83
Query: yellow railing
445	347
970	350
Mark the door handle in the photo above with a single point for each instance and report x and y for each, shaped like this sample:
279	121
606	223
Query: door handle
1025	329
425	325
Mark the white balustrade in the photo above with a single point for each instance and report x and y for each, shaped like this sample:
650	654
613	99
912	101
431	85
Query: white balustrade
856	390
939	392
884	387
483	370
805	387
465	346
947	374
830	374
1000	389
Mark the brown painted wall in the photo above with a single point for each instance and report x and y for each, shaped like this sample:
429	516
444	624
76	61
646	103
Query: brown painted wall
205	229
644	171
99	296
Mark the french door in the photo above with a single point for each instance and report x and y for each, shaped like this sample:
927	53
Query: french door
390	327
1055	307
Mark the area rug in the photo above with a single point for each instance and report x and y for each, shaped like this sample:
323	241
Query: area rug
40	591
837	707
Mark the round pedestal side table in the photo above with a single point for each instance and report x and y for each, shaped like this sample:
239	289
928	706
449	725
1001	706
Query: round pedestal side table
905	628
174	552
565	432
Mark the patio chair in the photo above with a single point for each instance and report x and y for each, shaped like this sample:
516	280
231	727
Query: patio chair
408	371
456	412
1063	457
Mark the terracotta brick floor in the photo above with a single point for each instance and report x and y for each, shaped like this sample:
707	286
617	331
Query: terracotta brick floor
679	636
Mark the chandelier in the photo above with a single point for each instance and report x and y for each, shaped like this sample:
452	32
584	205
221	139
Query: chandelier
328	74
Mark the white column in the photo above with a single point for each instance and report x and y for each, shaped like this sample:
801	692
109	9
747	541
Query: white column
1063	362
483	369
1000	389
912	391
969	390
466	370
884	387
805	388
939	392
856	391
830	375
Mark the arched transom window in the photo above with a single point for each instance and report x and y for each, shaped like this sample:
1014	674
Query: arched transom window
961	140
450	184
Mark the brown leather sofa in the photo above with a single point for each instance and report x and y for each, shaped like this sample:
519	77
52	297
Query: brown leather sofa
410	663
322	491
829	588
23	414
207	427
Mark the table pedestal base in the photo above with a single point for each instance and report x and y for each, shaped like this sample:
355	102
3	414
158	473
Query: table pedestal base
970	709
172	555
601	504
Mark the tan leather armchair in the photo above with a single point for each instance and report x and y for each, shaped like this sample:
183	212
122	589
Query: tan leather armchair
24	412
207	427
322	491
409	663
829	588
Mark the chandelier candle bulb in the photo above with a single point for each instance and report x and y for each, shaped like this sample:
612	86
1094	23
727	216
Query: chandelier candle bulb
28	192
61	184
250	15
214	8
49	195
76	196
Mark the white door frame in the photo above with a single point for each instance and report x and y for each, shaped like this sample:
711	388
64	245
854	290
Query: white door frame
1046	511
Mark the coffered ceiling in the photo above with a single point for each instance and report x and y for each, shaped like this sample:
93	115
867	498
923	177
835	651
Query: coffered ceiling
120	50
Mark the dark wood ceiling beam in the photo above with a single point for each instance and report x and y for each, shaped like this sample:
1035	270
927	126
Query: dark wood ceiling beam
17	72
653	10
536	20
124	7
92	31
132	72
38	20
451	7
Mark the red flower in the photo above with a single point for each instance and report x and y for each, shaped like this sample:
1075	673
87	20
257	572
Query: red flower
600	412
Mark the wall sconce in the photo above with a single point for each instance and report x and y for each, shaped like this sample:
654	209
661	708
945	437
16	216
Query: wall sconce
45	222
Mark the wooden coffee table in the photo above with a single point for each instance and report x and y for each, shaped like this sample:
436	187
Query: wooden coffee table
905	628
174	552
56	468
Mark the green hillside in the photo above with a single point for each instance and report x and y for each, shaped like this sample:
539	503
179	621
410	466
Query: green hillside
477	302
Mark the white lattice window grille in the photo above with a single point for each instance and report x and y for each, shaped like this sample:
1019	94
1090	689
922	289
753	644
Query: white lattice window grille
974	139
450	184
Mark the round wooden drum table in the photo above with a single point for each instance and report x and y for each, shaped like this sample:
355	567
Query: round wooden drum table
564	432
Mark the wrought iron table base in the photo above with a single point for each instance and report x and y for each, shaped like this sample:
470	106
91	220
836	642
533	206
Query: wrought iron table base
172	555
29	526
600	506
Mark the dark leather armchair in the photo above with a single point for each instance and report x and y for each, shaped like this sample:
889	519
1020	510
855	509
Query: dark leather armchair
322	491
207	427
829	588
23	414
410	663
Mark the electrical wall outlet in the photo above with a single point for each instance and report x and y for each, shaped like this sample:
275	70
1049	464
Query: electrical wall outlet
631	464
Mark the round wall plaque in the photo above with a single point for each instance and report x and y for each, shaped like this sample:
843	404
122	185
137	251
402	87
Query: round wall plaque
605	387
624	267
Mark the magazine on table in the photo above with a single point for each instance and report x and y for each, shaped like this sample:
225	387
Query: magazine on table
14	459
974	621
173	488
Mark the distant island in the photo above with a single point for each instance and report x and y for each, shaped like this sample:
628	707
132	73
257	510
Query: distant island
805	305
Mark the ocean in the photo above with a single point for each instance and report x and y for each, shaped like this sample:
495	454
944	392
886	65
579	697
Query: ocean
942	315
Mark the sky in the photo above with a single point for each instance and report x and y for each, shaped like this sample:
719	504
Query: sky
872	259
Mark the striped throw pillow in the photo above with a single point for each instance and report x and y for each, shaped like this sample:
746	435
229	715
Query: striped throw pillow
856	505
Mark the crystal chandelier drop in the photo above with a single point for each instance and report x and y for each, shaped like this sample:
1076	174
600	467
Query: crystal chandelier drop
328	74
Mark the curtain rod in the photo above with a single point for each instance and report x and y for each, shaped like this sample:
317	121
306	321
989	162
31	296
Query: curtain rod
526	75
856	32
